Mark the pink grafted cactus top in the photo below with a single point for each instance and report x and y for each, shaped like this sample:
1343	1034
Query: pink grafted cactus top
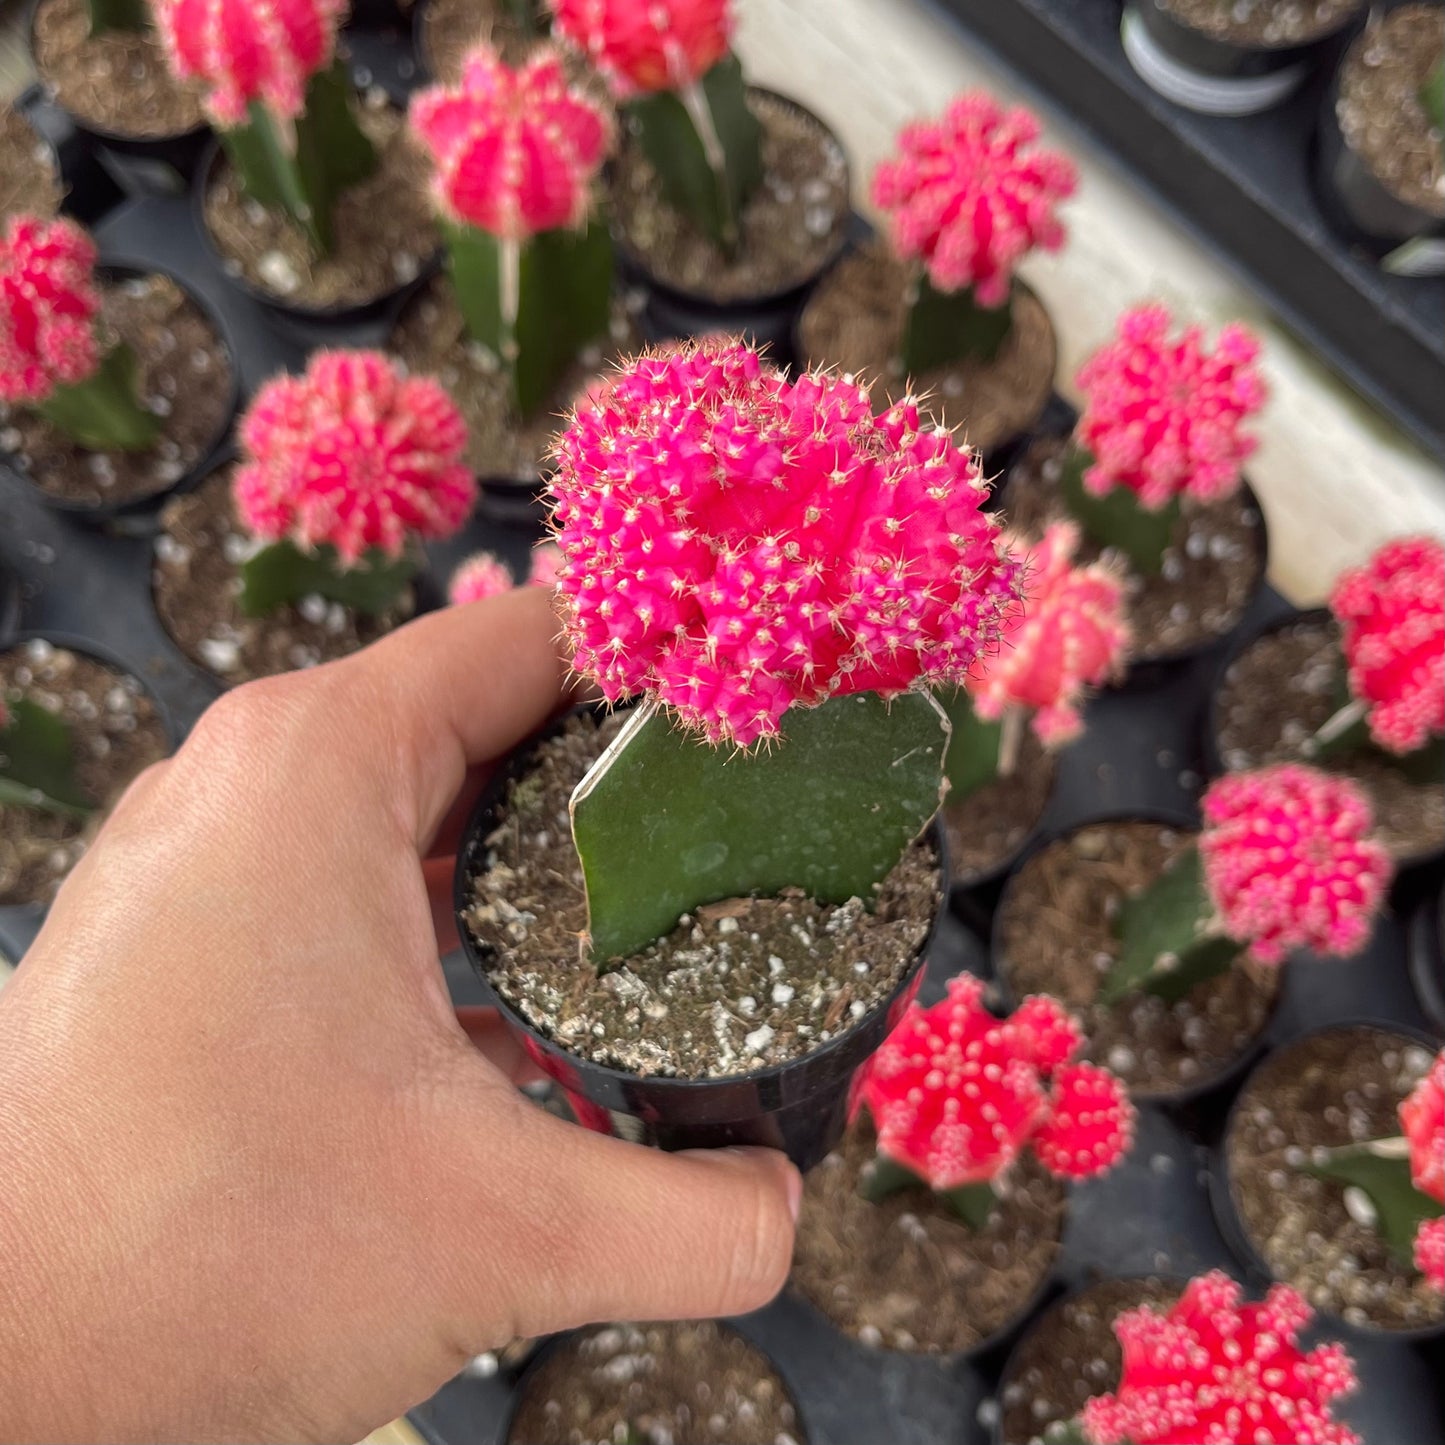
641	46
48	304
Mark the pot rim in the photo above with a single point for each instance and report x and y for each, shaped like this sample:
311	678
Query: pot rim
1262	47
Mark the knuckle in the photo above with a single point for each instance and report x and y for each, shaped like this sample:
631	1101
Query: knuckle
762	1251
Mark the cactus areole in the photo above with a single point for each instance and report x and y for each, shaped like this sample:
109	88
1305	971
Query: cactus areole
777	574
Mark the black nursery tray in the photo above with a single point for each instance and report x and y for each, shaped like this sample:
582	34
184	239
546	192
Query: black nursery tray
1245	185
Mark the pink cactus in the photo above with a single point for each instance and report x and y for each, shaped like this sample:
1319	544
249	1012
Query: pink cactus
482	575
970	199
1071	634
956	1094
1164	417
546	559
48	304
249	50
354	456
736	542
1290	863
642	46
515	150
1422	1116
1391	614
1215	1372
1430	1252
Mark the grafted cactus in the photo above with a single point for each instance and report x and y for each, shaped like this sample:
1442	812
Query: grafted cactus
37	761
480	576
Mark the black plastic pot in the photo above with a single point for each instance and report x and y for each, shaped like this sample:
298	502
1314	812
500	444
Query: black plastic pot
1231	1225
1212	76
9	604
511	502
1427	955
89	190
798	1107
134	515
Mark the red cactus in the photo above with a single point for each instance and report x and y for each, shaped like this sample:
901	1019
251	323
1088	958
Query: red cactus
1163	418
354	456
48	304
245	50
1391	614
735	542
515	150
1430	1251
1071	634
970	199
1422	1116
642	46
481	575
1214	1372
957	1094
1289	861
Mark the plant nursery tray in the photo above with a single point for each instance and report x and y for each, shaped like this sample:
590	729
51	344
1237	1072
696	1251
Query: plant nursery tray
1245	185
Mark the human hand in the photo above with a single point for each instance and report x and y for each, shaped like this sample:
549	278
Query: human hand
255	1180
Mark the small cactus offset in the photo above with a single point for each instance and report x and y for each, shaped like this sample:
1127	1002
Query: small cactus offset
37	761
1213	1370
480	576
1286	860
1163	421
968	196
51	359
345	470
516	155
279	96
668	62
956	1095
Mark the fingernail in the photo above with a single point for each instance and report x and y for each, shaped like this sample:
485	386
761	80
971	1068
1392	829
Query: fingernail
753	1156
795	1194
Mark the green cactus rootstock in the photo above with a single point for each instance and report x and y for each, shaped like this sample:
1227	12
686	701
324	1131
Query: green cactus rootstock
283	573
37	762
104	412
975	750
1117	519
884	1177
665	823
1381	1169
944	327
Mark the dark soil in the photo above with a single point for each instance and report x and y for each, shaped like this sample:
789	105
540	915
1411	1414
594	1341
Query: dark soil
1070	1356
988	826
1209	574
1279	692
742	985
185	378
1341	1086
385	228
118	81
196	583
1264	24
854	322
1056	936
431	339
29	185
116	733
791	227
907	1273
670	1384
1379	108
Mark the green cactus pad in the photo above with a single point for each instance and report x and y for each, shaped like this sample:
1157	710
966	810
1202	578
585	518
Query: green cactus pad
103	412
1117	519
283	573
37	763
947	326
1400	1208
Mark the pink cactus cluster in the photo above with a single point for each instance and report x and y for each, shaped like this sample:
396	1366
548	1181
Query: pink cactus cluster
515	150
1422	1116
642	46
355	456
1290	862
245	50
970	197
956	1094
1214	1372
736	542
484	575
1163	416
48	304
1071	634
1391	614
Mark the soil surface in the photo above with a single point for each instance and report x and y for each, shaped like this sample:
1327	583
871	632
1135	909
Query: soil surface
741	985
907	1273
791	227
988	826
1379	108
431	339
118	81
185	378
1341	1086
855	320
385	229
672	1384
116	732
1055	929
29	185
197	582
1263	24
1070	1356
450	28
1209	574
1279	692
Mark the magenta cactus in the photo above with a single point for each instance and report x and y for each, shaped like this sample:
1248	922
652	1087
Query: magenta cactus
1430	1252
546	560
1215	1371
480	576
644	46
724	577
48	306
1422	1116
